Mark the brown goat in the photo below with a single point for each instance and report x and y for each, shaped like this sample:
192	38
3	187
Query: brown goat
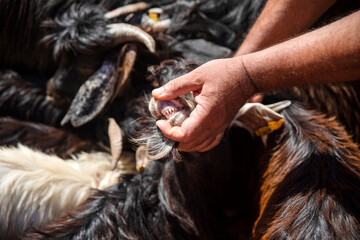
311	184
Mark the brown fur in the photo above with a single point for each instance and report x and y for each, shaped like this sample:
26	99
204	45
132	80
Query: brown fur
340	100
311	186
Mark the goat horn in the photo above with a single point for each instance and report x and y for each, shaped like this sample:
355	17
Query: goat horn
156	10
122	32
130	8
160	26
116	142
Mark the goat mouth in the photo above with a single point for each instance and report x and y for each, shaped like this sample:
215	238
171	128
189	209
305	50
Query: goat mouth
169	112
174	111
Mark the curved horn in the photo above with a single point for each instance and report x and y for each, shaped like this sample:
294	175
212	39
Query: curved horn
130	8
156	10
122	32
160	26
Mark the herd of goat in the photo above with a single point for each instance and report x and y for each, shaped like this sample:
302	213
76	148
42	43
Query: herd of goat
82	158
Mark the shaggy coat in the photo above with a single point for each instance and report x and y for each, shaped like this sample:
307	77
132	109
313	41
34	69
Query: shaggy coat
308	189
36	188
171	199
311	184
24	98
177	197
22	30
309	192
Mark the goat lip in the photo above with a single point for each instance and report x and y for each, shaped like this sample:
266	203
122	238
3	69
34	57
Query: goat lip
167	108
173	111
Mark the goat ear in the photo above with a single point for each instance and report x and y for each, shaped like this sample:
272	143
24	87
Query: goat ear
125	64
92	96
260	119
116	141
142	157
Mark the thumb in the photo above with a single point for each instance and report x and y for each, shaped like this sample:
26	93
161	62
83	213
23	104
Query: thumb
169	131
176	87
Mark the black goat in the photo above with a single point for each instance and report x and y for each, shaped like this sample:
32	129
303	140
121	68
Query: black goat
177	197
65	39
182	195
74	45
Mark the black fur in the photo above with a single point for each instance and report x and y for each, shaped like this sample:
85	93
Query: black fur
51	140
25	99
81	29
179	197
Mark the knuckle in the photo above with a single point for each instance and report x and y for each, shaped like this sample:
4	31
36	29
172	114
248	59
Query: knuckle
173	85
197	79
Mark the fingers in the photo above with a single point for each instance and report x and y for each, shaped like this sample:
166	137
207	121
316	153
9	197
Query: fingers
176	87
174	133
257	98
213	144
205	146
178	134
201	144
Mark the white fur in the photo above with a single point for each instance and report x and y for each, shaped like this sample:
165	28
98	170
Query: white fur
36	188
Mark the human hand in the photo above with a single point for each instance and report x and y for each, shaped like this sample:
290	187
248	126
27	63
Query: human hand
220	87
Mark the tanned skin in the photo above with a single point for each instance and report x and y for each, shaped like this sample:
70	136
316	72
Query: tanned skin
325	55
282	20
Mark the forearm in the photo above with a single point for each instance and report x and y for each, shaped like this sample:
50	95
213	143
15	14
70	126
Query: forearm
328	54
281	20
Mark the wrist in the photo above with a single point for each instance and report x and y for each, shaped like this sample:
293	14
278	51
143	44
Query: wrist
246	82
249	78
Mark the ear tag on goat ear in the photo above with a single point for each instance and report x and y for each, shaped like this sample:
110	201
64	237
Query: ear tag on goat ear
154	16
272	126
275	125
142	158
141	167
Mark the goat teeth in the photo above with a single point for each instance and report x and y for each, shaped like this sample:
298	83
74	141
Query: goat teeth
168	111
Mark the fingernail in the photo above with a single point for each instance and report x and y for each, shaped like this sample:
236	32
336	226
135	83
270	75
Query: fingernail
158	91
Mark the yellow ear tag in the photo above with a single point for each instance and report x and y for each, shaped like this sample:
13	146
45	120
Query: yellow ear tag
272	126
275	125
154	17
263	131
141	167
